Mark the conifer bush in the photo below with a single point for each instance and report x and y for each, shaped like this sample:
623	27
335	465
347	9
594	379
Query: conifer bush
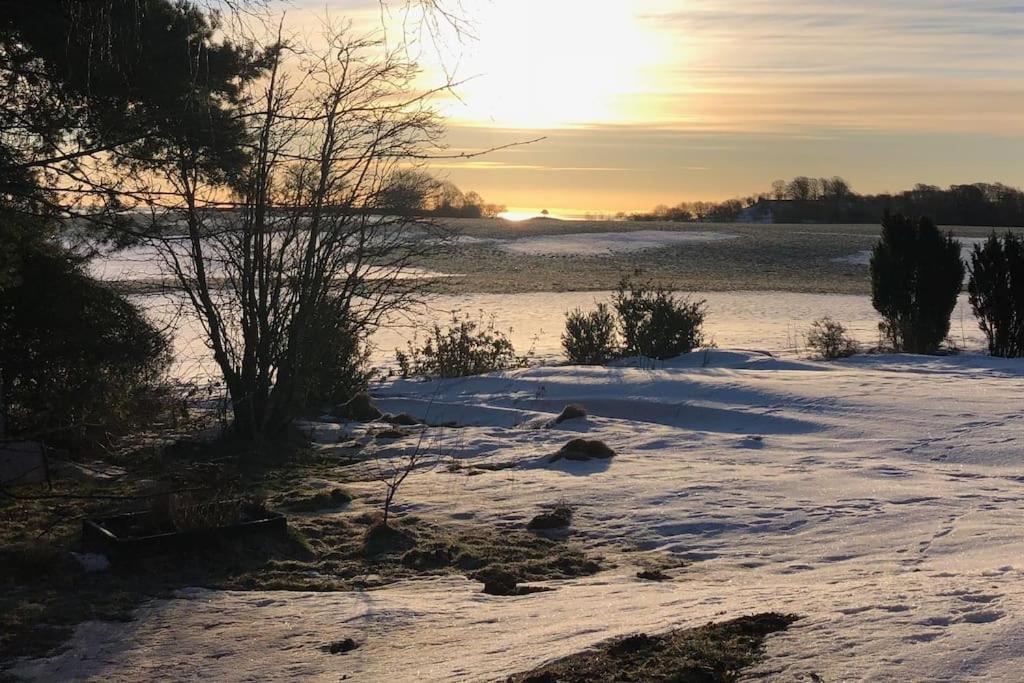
916	275
996	290
79	363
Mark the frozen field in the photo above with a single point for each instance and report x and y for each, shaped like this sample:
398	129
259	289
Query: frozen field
879	497
597	244
496	256
544	256
863	258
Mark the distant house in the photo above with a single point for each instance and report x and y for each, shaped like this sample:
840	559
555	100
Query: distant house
759	212
780	211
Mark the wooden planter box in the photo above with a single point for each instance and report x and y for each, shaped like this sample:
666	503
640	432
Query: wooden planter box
134	535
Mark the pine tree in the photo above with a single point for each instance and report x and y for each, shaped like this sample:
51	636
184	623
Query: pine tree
916	275
996	291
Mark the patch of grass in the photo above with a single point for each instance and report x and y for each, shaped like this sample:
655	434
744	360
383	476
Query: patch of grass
558	517
315	501
715	653
391	434
652	575
498	581
44	592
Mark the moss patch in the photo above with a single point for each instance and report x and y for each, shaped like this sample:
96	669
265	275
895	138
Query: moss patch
313	501
715	653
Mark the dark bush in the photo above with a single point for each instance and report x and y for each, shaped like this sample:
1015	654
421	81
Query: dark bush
829	339
590	338
465	348
78	360
497	581
996	289
333	360
584	449
916	275
557	517
656	323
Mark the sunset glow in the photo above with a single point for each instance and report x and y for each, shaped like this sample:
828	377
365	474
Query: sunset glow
653	101
541	65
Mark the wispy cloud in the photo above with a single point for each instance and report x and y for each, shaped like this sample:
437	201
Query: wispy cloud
649	101
922	65
501	166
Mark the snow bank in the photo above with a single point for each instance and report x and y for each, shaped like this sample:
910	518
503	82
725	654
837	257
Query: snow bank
881	500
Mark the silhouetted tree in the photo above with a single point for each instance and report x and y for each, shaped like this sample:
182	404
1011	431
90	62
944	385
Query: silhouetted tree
76	358
88	90
996	289
916	274
779	191
309	258
801	188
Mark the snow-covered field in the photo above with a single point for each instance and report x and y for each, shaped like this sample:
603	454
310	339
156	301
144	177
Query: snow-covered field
598	243
881	499
146	263
863	258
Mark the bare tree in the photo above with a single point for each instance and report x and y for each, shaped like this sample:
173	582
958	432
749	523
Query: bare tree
289	264
779	190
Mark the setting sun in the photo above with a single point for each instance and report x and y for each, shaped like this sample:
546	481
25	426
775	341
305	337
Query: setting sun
537	64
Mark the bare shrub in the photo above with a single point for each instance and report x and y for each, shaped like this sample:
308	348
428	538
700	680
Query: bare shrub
829	339
463	349
291	265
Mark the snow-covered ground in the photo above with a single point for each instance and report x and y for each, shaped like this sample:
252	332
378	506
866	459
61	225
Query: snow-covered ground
768	321
882	500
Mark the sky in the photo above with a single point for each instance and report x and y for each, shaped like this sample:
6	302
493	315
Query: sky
643	102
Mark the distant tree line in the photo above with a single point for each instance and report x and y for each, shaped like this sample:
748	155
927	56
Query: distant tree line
418	193
832	200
